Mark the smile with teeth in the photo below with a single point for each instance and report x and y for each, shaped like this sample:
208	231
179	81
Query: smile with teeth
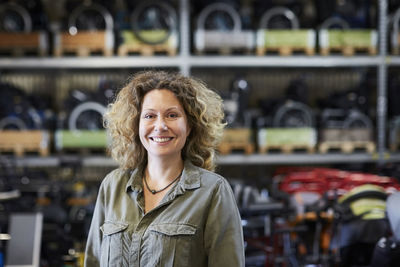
161	139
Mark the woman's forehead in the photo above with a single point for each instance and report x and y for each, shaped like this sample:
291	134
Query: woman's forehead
160	98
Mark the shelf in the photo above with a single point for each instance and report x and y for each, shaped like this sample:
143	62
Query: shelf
279	61
70	160
236	159
394	157
393	60
100	62
330	158
259	159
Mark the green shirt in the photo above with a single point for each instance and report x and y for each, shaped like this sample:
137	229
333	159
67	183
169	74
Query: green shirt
197	223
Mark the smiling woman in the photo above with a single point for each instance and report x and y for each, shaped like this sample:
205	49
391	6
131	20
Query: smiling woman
203	108
163	127
164	206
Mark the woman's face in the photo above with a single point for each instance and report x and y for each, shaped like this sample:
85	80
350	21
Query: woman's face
163	126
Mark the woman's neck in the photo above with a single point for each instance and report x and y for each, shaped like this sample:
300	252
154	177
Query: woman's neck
163	169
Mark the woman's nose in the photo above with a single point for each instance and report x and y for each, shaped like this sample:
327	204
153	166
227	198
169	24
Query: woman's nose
161	125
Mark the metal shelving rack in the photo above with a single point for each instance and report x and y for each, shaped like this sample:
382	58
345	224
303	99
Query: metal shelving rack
233	159
184	61
381	108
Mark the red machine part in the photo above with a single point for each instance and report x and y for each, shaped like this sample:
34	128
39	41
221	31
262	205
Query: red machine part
322	180
305	181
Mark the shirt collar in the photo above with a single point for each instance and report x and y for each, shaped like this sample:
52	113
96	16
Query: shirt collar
190	179
135	181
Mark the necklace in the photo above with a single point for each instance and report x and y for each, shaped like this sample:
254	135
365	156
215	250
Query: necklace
158	191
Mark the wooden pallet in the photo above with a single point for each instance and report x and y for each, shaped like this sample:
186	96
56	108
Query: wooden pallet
19	44
346	146
227	148
83	44
21	142
348	50
286	149
145	49
236	139
285	50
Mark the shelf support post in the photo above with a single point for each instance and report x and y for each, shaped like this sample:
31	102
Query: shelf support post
184	36
382	82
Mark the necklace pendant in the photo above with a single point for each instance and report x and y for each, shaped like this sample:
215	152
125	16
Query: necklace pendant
158	191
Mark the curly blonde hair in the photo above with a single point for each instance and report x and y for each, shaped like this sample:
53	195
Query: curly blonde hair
203	108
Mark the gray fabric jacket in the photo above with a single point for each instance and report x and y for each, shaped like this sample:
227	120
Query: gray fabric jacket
197	223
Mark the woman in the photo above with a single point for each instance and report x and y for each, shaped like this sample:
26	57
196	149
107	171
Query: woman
164	206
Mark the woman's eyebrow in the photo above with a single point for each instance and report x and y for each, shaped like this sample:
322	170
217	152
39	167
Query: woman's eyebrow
155	110
174	107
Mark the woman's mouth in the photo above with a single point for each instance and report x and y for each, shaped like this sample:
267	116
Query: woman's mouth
161	139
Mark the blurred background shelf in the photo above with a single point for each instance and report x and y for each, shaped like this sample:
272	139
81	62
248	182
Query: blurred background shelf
64	182
232	159
99	62
279	61
88	63
393	60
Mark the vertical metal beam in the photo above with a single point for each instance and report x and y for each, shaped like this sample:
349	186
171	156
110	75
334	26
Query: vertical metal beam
381	105
184	34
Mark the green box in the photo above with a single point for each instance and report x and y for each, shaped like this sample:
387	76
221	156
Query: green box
287	136
352	37
129	37
81	139
293	38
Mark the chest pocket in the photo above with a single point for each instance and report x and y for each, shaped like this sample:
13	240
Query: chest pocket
113	244
171	244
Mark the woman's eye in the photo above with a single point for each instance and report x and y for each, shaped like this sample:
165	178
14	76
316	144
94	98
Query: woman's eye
172	115
148	116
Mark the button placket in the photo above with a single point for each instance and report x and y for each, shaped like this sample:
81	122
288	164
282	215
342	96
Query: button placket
135	248
137	240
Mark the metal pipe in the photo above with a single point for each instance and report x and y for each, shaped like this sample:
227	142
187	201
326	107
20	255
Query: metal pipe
381	105
184	35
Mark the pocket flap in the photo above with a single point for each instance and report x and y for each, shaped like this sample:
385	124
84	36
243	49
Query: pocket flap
109	228
172	229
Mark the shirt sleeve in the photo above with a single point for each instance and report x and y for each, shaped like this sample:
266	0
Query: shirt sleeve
93	243
223	234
